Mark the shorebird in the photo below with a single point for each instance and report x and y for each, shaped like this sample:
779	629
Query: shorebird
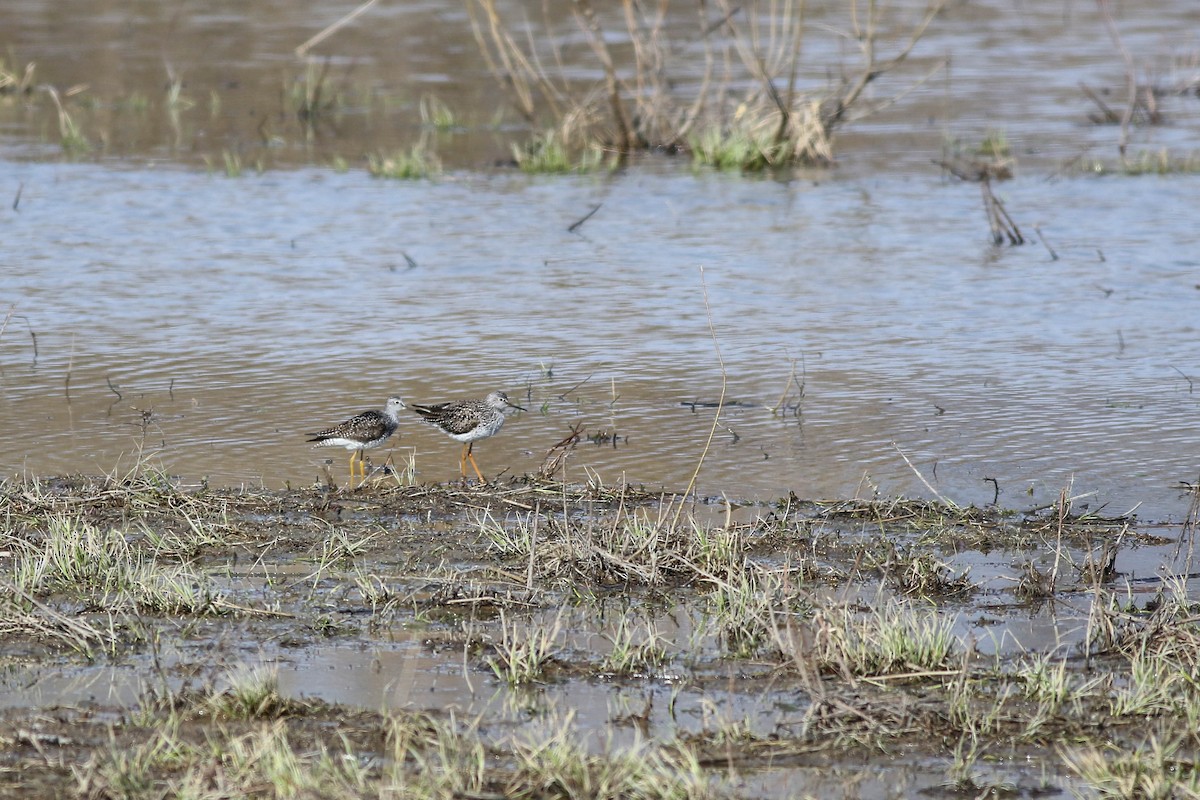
468	421
362	432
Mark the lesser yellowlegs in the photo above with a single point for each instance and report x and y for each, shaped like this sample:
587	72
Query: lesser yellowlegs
468	421
362	432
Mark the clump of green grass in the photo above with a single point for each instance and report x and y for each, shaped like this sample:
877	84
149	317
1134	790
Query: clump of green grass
1045	680
231	164
559	760
1156	770
81	560
645	546
71	136
311	96
752	143
916	573
549	153
433	758
252	693
416	164
381	596
422	758
1145	162
436	114
1158	683
890	638
730	150
137	102
524	653
263	761
134	772
22	615
750	605
634	654
994	145
75	556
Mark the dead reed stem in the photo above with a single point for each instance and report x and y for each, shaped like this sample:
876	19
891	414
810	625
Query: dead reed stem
712	431
1130	74
303	49
600	47
928	485
637	104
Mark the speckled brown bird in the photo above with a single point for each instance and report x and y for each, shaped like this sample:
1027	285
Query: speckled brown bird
362	432
468	421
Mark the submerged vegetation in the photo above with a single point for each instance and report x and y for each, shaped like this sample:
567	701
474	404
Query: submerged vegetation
754	107
849	625
414	164
764	85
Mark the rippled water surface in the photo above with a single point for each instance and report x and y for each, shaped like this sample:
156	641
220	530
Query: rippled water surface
208	323
234	316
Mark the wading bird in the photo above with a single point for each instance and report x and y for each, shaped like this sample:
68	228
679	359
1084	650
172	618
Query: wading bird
362	432
468	421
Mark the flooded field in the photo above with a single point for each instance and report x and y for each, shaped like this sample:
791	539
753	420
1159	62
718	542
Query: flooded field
817	491
540	640
213	330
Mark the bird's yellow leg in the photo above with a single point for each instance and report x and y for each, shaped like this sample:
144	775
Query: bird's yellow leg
462	462
473	464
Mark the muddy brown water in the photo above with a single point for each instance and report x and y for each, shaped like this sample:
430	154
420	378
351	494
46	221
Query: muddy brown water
161	311
233	316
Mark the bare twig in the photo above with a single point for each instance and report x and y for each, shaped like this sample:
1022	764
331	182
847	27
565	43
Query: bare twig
982	172
28	325
871	68
70	364
1190	526
792	381
303	49
1002	223
577	224
1042	238
556	456
587	17
563	395
635	104
1191	386
1108	115
1130	74
928	485
721	403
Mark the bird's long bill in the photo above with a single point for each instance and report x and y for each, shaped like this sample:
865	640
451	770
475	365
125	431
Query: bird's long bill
514	405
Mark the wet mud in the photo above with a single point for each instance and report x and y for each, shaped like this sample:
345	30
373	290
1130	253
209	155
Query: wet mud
741	647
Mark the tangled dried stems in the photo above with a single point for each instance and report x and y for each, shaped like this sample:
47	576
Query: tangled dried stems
747	104
984	172
14	82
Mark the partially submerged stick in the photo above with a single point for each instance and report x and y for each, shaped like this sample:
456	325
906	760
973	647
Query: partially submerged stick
720	402
303	49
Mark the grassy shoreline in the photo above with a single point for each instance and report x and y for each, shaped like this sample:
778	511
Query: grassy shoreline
854	629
